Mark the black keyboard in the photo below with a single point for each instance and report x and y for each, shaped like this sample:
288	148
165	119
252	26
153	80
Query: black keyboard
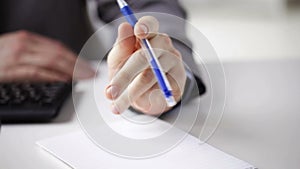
31	102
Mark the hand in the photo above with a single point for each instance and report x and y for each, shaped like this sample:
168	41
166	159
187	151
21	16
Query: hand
27	56
132	80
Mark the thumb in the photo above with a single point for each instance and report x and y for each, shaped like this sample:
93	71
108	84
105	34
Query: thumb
146	27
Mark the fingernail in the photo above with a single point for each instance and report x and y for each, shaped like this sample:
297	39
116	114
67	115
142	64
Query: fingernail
112	91
144	28
114	110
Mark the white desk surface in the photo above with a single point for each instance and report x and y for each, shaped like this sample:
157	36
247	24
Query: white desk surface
260	124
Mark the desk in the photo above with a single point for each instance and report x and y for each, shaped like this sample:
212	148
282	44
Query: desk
260	123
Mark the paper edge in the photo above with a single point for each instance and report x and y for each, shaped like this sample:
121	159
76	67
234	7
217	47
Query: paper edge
39	144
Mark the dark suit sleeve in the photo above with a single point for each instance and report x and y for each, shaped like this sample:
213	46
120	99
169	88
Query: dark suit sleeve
108	11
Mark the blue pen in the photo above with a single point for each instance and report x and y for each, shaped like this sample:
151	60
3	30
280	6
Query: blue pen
156	68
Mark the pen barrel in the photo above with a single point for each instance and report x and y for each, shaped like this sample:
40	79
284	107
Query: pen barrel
160	79
127	12
157	70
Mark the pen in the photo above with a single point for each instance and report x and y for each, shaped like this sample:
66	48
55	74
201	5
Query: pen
151	57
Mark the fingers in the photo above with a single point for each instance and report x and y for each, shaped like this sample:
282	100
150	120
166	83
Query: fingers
120	81
50	54
134	66
32	57
146	79
178	73
140	85
138	62
146	27
132	89
46	45
31	73
125	45
49	61
39	39
162	43
58	63
117	58
132	81
151	101
143	82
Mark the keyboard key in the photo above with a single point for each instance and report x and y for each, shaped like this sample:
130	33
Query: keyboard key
21	102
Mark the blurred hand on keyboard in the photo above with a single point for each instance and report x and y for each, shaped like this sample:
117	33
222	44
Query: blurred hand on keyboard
27	56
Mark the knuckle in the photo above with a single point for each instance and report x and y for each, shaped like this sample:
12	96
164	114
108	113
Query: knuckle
141	58
177	87
172	61
167	40
59	46
18	45
146	76
177	92
22	35
177	53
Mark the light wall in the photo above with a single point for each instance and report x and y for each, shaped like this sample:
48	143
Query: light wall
247	29
242	29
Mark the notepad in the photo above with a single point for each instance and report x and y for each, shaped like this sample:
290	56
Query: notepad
79	152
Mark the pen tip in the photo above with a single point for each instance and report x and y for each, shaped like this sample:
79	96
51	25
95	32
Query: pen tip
171	101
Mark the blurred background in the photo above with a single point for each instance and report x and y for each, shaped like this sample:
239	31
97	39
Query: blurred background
243	30
248	29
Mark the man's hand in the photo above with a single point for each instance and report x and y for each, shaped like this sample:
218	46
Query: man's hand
27	56
132	80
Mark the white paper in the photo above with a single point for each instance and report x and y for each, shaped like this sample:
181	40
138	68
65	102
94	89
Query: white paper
79	152
76	150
